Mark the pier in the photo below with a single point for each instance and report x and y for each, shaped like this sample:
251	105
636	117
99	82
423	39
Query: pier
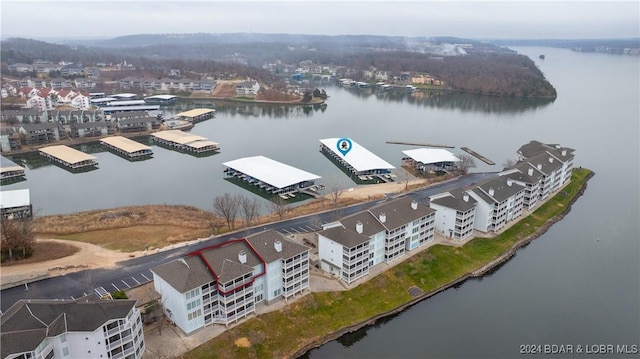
359	162
127	148
196	115
272	177
418	144
477	155
69	158
183	141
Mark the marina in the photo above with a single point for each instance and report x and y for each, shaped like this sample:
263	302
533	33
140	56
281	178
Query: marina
69	158
196	115
182	141
161	99
113	109
477	155
10	171
127	148
358	162
272	177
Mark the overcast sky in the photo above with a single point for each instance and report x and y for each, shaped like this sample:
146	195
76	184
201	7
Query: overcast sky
467	19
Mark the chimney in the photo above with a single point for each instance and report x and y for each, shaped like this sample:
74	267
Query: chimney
530	171
414	205
539	166
509	182
465	197
359	227
242	256
491	191
382	217
550	159
558	146
277	245
564	152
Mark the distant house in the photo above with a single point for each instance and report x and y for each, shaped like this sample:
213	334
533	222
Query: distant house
60	83
20	67
247	88
80	101
224	283
350	247
84	328
40	102
72	69
27	92
84	83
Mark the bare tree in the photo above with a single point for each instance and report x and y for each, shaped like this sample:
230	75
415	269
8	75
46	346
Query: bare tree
17	237
226	206
466	162
335	190
215	222
250	208
279	206
509	162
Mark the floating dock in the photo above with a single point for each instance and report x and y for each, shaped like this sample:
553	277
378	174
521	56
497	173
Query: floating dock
418	144
68	157
10	171
477	155
430	159
359	161
183	141
271	176
196	115
127	148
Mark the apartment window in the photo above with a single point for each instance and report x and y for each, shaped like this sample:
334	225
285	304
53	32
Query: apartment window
65	351
63	338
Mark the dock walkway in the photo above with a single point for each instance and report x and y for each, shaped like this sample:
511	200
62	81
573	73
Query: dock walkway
478	156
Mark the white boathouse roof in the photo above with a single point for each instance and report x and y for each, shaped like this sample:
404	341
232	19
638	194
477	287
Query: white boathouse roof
274	173
15	198
431	155
161	97
360	158
184	138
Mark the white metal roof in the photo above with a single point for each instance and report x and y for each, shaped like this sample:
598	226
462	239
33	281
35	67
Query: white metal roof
161	97
270	171
103	99
358	157
431	155
15	198
124	95
126	103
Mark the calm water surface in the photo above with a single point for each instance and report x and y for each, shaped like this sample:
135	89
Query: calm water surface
578	284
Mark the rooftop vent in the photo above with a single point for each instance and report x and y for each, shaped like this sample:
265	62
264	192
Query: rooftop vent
277	245
564	152
530	171
359	227
491	191
465	197
540	166
242	256
382	217
550	159
509	182
414	205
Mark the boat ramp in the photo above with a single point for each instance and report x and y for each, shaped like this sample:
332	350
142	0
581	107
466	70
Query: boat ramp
69	158
272	177
182	141
127	148
358	162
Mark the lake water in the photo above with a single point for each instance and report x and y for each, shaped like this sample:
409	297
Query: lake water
577	284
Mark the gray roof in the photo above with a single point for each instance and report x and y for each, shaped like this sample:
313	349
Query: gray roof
347	237
542	160
264	244
39	126
399	212
535	148
28	322
501	189
370	224
191	271
455	200
520	172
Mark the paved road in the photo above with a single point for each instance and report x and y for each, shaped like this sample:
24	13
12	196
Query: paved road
136	271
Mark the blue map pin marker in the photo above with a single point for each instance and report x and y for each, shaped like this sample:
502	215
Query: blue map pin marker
344	145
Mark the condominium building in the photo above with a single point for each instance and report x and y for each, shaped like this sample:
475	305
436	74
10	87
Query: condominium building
222	284
455	213
88	327
499	201
350	247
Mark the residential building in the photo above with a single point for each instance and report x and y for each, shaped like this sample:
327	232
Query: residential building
525	175
9	138
499	201
553	161
455	214
60	83
19	67
247	88
222	284
84	328
84	83
72	69
40	133
350	247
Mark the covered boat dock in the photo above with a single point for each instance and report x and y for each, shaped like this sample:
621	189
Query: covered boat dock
196	115
183	141
127	148
69	157
271	176
161	99
430	159
9	170
359	161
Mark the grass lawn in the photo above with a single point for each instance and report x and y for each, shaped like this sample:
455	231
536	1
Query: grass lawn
310	319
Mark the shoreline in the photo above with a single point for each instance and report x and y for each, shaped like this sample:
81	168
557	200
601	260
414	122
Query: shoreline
486	269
